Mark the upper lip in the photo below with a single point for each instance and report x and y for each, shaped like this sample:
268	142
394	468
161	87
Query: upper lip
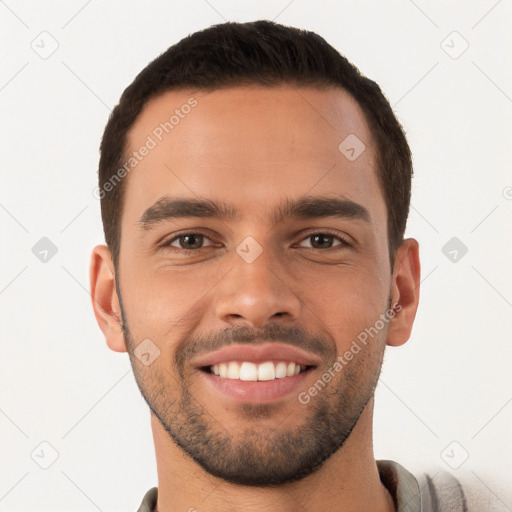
258	354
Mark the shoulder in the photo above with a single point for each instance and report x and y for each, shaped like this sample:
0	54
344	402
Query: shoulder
148	503
435	491
441	491
464	492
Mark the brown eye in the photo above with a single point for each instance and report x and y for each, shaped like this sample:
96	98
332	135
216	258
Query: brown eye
322	241
189	241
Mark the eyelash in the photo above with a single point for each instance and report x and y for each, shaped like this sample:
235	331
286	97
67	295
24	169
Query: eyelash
187	252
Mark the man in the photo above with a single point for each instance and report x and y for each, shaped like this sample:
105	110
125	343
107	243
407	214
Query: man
254	190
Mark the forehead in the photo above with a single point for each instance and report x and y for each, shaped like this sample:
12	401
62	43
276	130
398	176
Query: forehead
251	144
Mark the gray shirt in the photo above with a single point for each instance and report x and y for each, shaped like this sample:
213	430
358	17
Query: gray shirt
438	493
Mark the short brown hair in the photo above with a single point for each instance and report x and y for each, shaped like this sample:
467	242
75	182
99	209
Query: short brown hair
261	53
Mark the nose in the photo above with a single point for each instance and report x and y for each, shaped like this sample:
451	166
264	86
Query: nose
253	294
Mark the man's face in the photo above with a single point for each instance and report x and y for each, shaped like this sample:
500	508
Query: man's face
293	271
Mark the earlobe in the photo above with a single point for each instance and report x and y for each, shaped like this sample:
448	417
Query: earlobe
405	292
105	301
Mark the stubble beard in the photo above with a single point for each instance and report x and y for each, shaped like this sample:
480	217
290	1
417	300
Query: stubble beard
251	452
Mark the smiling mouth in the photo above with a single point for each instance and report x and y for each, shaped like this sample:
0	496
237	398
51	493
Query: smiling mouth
250	371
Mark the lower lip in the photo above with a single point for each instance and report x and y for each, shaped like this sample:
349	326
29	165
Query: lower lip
257	391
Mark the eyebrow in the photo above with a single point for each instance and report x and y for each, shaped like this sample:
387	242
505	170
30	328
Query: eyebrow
167	208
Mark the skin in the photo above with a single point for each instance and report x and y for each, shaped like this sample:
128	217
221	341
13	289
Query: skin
254	147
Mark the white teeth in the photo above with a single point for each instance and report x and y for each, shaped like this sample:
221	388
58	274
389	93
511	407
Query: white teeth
266	371
280	370
233	370
249	371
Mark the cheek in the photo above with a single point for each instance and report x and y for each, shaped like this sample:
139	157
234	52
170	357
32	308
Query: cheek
165	302
344	301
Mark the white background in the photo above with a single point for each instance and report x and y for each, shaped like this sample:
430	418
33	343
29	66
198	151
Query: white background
59	382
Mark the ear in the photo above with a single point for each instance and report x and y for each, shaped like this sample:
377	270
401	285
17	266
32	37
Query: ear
105	301
405	292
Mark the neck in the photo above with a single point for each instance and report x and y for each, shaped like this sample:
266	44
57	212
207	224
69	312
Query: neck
347	482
